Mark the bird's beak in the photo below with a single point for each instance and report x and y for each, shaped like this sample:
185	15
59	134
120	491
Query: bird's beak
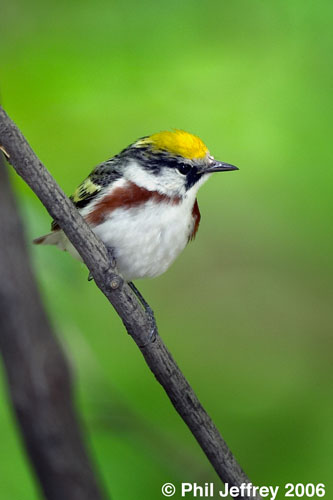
219	166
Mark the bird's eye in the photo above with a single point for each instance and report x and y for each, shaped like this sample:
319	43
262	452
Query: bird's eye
183	168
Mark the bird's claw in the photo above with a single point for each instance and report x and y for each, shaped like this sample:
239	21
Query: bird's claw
151	337
4	152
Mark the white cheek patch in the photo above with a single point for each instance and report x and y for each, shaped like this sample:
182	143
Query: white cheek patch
173	181
168	181
141	177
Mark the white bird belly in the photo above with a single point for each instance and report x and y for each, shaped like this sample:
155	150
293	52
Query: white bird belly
146	239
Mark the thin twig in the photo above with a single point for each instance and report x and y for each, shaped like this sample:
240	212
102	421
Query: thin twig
95	255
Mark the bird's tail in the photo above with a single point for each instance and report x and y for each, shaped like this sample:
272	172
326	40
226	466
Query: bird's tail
60	240
53	238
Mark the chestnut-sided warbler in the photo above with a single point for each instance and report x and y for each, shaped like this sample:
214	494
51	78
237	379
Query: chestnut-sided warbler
142	202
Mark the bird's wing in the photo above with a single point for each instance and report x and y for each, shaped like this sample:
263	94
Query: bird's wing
85	192
101	177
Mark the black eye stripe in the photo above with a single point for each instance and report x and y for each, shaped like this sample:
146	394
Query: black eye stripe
192	178
155	162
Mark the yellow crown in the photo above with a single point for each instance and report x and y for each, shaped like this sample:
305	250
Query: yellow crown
177	142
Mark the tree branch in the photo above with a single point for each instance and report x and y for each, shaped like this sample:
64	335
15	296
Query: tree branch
95	255
37	372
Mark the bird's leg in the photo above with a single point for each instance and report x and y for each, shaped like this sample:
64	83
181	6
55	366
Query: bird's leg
149	312
112	261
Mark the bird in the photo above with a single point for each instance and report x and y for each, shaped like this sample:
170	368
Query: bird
142	203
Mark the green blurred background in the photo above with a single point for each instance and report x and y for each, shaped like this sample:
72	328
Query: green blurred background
247	309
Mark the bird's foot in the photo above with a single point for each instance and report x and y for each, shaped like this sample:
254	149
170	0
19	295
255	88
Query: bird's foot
151	337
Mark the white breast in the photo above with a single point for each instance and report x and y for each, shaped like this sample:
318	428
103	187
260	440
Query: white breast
148	238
